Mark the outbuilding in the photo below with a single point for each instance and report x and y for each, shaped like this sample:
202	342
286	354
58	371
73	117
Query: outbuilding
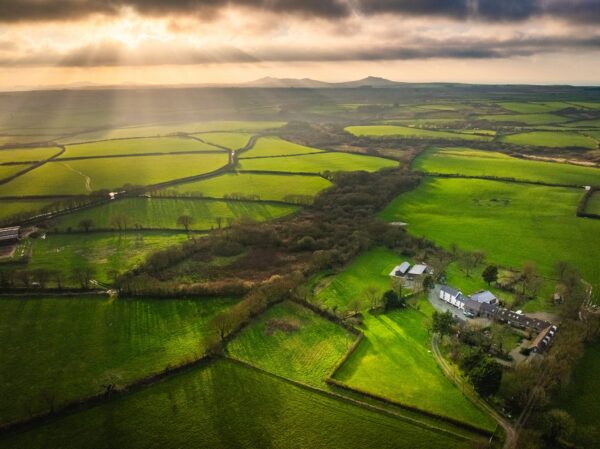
9	235
484	296
400	270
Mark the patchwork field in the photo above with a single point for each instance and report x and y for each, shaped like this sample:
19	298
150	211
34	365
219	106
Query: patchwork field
164	212
86	175
512	223
551	139
56	350
27	155
274	146
264	186
535	107
226	405
137	146
465	161
318	163
527	119
293	342
401	131
233	141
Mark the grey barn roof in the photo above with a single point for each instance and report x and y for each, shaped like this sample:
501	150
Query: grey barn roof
450	290
484	296
418	269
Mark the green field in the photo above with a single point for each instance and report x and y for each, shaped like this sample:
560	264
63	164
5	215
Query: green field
86	175
27	155
9	170
164	212
318	163
402	131
265	186
104	252
224	405
56	350
527	119
534	108
593	123
137	146
306	352
233	141
395	361
274	146
370	269
512	223
593	205
10	208
551	139
465	161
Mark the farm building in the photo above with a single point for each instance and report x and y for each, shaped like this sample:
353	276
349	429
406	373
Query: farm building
400	270
417	270
475	308
9	235
452	296
544	338
484	296
520	320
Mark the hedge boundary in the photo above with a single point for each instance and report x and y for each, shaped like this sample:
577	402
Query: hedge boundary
583	203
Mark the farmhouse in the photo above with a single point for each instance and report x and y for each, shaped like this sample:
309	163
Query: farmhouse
452	296
9	235
400	270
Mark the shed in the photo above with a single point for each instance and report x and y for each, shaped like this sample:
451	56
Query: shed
9	235
418	270
484	296
400	270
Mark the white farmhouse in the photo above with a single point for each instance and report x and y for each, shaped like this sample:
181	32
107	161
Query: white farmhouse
452	296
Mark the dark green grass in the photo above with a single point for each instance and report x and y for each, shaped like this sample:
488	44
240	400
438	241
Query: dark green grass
11	208
593	205
551	139
526	119
535	107
306	354
56	350
229	406
275	146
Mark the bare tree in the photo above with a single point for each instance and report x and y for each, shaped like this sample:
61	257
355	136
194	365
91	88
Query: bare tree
86	224
223	324
120	222
186	222
83	275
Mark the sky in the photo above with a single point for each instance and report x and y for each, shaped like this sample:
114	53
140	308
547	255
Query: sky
45	43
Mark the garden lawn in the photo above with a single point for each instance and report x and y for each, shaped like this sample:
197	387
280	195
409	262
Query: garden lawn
27	155
465	161
401	131
225	405
11	208
370	269
56	350
593	205
318	163
395	361
512	223
137	146
164	212
86	175
527	119
551	139
274	146
305	352
233	141
264	186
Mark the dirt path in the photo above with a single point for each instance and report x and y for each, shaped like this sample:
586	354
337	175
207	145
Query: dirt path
88	180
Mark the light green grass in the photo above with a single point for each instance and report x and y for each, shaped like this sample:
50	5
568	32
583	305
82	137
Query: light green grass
527	119
27	155
233	141
370	269
551	139
307	354
56	350
69	177
224	405
265	186
25	139
465	161
9	170
137	146
593	205
534	108
512	223
274	146
11	208
395	361
593	123
402	131
318	163
164	212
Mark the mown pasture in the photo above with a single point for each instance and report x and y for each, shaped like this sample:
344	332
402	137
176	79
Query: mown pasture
551	139
527	119
137	146
233	141
469	162
86	175
402	131
291	341
535	107
56	350
228	405
162	213
275	146
22	155
11	208
317	163
263	186
512	223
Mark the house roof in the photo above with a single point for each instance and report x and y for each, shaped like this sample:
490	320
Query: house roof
402	268
418	269
450	290
9	233
484	296
509	315
477	306
540	337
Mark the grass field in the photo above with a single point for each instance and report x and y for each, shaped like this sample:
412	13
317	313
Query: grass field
137	146
395	361
274	146
104	252
527	119
593	123
593	205
267	187
224	405
233	141
164	212
10	208
551	139
318	163
86	175
465	161
59	349
370	269
9	170
512	223
306	352
401	131
534	108
27	155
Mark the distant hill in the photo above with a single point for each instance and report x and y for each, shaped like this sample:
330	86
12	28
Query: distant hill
307	83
